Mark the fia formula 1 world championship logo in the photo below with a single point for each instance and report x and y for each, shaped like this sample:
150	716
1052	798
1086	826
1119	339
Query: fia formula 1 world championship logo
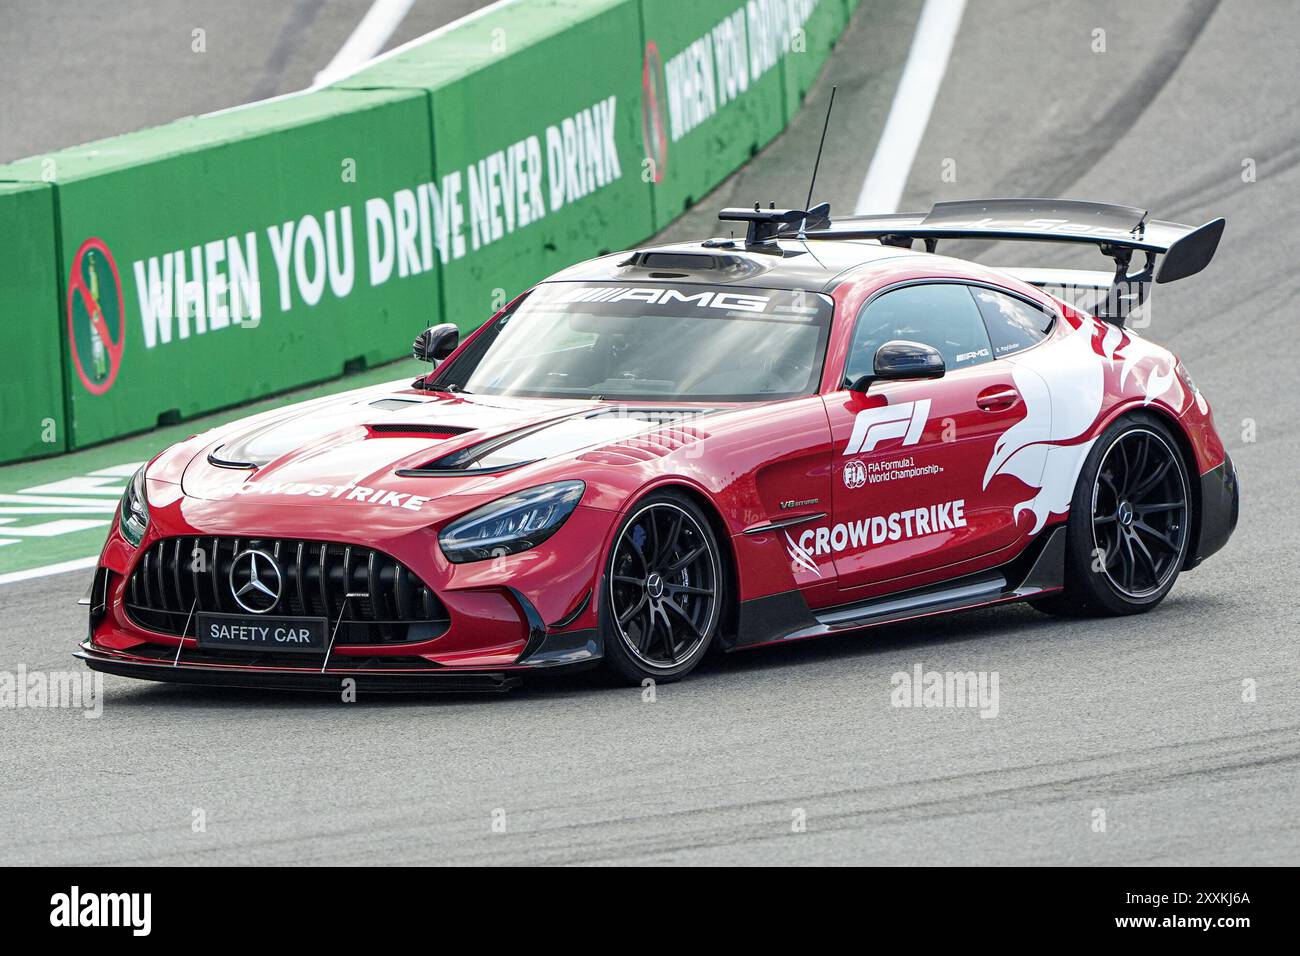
96	317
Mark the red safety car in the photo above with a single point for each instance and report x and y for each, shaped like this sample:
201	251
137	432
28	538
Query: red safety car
823	426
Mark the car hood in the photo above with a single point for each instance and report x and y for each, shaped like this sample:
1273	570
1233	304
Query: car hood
394	449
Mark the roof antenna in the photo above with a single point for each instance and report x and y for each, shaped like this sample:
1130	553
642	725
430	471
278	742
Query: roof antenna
817	162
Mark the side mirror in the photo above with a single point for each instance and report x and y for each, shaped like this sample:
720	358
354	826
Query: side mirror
435	344
900	359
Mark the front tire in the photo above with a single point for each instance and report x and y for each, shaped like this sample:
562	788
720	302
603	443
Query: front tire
1130	521
663	591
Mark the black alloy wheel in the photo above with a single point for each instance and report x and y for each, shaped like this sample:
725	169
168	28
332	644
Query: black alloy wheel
1130	523
1139	513
665	587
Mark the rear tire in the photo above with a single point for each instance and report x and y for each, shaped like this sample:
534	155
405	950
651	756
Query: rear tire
663	591
1129	528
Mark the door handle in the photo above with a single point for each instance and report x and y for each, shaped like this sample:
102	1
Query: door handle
998	398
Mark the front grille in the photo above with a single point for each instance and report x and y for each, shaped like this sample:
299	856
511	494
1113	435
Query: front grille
381	600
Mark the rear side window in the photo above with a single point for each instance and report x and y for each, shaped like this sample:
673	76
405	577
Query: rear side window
941	315
1013	323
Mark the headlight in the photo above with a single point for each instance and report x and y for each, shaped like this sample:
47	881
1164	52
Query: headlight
512	524
135	509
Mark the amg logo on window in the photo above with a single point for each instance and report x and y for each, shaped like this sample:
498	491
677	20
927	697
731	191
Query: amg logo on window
650	295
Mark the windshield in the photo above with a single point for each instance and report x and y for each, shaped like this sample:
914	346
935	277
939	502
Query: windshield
649	342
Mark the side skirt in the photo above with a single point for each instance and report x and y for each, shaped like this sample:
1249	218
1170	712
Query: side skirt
778	618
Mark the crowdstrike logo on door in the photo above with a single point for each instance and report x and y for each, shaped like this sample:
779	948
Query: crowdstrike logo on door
896	526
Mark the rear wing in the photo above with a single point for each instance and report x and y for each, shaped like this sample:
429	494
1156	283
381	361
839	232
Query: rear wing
1117	231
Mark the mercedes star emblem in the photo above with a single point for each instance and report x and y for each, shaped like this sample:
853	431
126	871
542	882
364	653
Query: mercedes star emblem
255	581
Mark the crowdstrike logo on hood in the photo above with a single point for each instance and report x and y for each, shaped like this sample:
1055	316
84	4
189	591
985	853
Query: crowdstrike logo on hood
373	496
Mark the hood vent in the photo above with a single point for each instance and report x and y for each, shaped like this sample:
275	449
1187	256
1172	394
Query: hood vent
644	447
628	434
395	404
476	458
415	430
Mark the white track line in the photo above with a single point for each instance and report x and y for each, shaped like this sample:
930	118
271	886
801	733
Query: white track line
366	40
423	38
77	564
322	79
909	114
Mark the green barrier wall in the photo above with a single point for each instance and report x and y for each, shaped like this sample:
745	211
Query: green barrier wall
537	143
222	258
714	92
31	389
240	254
820	22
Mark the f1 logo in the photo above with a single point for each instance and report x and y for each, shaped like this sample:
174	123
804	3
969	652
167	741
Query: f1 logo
905	420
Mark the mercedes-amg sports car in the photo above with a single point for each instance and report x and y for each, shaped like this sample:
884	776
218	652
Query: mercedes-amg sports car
820	427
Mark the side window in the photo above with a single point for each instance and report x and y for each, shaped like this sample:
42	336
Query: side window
1013	324
941	315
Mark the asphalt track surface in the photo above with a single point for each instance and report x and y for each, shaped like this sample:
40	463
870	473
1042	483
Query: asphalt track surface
73	71
1142	717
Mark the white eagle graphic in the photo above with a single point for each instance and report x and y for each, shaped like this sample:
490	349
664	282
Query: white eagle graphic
1042	448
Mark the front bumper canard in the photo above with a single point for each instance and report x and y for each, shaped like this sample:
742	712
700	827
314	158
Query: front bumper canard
368	678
